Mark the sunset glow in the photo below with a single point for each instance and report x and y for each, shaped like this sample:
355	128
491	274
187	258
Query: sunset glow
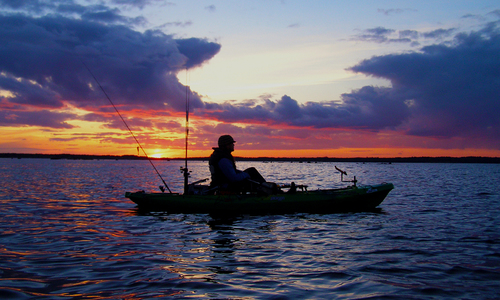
322	79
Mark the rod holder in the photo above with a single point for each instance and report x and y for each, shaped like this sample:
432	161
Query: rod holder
342	173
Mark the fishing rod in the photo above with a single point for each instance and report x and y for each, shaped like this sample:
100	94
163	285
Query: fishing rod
185	170
130	130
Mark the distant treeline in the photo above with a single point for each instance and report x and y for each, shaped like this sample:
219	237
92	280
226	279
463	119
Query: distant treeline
468	159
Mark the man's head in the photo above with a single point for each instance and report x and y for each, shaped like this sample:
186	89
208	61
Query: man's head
226	142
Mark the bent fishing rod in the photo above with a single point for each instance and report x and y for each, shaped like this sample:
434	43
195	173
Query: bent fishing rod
130	130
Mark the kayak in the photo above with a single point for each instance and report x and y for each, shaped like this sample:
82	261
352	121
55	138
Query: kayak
352	198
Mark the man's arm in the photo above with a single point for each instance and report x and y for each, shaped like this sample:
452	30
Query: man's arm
227	168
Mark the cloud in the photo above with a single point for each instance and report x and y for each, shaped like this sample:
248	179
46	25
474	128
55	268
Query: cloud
377	35
29	5
439	33
412	34
176	24
445	90
370	108
62	5
210	8
69	8
41	118
26	93
442	91
134	3
384	35
104	14
495	13
191	47
41	63
392	11
451	90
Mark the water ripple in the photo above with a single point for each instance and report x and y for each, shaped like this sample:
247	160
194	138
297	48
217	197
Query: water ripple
66	232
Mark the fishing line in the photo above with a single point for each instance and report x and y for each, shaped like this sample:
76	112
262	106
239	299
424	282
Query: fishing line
130	130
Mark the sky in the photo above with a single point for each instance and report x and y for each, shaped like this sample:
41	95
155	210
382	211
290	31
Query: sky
284	78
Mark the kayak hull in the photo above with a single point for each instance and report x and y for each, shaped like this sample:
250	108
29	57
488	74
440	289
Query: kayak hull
354	198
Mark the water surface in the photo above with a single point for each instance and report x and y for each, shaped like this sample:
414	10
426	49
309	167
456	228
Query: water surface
67	232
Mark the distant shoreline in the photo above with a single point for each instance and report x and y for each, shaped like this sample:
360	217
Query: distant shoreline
442	159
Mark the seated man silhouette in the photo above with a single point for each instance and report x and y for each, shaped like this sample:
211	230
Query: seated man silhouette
226	176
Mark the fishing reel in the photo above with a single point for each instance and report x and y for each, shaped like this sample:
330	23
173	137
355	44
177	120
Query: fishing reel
185	171
342	173
187	174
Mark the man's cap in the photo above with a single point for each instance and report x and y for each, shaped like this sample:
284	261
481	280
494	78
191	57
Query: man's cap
225	140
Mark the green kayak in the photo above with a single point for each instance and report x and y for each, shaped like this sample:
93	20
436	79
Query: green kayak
352	198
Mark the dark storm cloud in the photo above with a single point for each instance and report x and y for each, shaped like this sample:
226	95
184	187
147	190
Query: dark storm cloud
97	13
29	5
68	6
26	93
191	49
42	118
451	90
370	108
41	63
442	91
107	15
137	3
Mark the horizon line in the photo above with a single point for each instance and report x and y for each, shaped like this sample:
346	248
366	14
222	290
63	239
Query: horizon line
472	159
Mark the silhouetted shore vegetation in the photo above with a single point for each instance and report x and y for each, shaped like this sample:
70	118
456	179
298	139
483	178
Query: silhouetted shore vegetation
441	159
